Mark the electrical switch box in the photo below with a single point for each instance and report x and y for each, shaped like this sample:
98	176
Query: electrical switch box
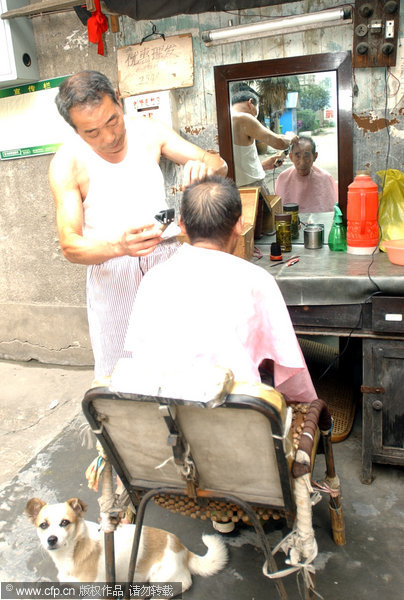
18	60
375	33
160	105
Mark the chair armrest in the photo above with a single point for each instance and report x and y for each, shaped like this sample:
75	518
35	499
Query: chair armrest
318	416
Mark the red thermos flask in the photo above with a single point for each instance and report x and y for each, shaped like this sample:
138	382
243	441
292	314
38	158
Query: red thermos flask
363	201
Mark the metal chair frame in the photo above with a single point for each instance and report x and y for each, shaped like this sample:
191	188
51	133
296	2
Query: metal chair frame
141	491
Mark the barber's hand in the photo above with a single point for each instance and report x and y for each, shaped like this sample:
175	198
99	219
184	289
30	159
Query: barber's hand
290	137
195	170
276	160
141	241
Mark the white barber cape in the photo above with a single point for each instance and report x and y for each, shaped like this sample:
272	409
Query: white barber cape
209	306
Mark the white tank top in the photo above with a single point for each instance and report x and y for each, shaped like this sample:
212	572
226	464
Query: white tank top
121	195
247	164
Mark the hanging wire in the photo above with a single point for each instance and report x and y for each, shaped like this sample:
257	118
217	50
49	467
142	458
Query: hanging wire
398	84
386	121
356	326
153	32
378	290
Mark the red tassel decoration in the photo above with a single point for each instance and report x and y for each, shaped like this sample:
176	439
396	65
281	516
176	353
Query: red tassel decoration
97	24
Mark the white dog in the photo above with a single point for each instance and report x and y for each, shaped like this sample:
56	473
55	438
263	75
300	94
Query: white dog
76	547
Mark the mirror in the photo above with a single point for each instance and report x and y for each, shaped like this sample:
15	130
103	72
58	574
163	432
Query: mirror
336	72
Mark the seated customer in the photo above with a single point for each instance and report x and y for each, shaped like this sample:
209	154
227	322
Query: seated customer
312	188
206	306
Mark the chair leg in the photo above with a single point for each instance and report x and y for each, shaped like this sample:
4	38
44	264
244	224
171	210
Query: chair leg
253	518
336	516
263	541
109	549
105	503
337	522
309	593
138	530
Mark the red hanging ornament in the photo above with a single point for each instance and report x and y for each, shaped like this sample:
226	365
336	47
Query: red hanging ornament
97	24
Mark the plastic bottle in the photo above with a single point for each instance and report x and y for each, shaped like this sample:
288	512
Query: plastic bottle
337	235
363	202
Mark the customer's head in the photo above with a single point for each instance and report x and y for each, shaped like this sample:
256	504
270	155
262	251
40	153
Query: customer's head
303	154
87	88
211	212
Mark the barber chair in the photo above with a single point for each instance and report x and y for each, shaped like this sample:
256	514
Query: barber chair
225	451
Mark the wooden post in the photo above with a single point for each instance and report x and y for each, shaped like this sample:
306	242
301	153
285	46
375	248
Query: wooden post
114	23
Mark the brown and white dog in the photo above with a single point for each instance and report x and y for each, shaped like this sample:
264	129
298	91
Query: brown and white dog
76	547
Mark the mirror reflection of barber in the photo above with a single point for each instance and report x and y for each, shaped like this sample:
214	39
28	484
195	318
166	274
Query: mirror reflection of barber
246	129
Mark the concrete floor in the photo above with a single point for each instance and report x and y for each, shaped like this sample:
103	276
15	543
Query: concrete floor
367	567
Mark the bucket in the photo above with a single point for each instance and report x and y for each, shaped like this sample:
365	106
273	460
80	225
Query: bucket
363	202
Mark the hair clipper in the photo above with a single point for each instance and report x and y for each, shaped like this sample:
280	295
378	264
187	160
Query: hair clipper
280	160
165	217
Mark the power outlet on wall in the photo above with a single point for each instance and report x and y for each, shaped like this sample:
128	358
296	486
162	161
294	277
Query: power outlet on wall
375	33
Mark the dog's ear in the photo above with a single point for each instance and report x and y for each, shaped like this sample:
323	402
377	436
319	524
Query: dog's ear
33	508
77	505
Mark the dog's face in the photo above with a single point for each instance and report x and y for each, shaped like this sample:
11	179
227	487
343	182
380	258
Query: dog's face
57	524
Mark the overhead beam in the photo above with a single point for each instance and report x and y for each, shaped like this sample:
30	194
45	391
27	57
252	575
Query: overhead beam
47	6
38	8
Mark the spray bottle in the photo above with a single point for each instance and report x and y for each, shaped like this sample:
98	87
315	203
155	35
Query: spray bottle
337	235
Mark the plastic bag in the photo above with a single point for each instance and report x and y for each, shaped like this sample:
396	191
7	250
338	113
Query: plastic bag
391	206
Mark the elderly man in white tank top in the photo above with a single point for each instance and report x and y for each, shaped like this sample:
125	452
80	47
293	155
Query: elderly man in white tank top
107	186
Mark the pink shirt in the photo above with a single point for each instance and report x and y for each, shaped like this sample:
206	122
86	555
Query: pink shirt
315	192
211	306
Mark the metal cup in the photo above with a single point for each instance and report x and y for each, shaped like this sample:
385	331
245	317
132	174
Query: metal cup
313	236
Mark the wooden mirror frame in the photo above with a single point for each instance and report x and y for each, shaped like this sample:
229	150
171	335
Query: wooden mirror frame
340	62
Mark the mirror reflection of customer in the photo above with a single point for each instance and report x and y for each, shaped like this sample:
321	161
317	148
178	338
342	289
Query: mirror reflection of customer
204	306
107	186
246	129
305	184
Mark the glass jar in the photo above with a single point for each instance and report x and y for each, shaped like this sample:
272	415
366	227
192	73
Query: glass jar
293	209
283	231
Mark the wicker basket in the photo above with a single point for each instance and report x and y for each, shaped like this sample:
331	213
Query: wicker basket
332	388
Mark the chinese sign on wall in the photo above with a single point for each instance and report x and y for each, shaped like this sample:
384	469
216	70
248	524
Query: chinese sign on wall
29	121
156	65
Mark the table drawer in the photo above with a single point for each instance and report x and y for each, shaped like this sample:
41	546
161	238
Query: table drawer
388	314
345	316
